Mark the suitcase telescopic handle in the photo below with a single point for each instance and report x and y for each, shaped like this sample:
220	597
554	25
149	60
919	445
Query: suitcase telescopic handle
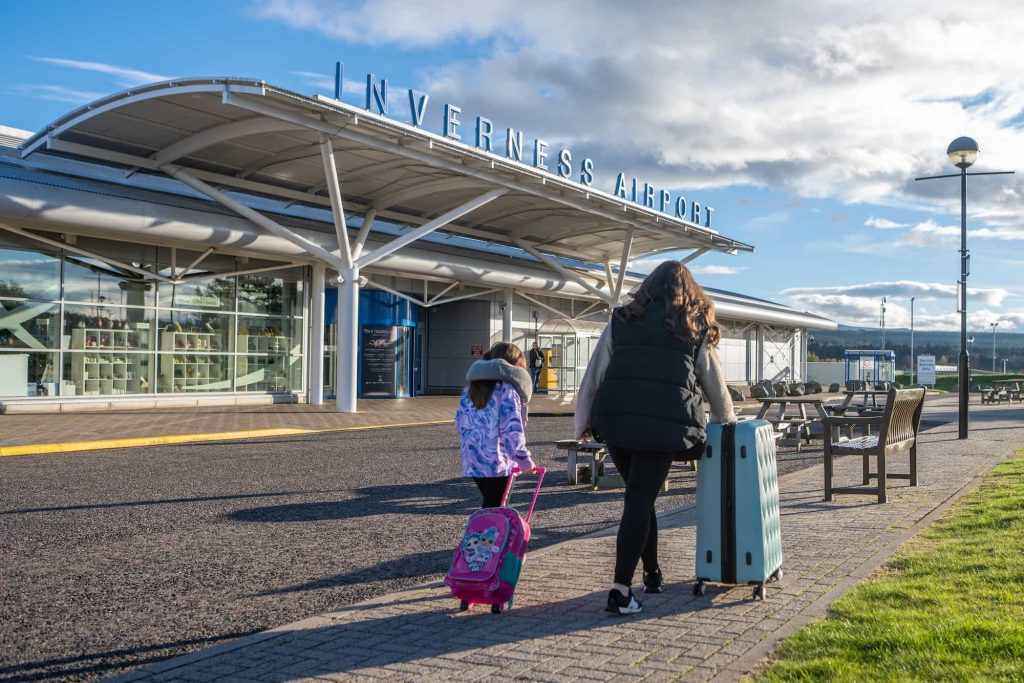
540	472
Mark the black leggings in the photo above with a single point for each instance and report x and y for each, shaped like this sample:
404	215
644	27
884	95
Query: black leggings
491	488
644	473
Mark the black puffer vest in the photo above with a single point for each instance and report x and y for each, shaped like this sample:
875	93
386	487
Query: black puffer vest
649	399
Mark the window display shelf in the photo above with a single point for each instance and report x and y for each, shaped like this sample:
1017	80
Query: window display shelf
101	364
184	365
265	367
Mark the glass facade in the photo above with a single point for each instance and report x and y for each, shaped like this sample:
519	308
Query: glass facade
75	326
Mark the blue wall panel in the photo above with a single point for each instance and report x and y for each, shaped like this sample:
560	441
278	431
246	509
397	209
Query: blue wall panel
375	308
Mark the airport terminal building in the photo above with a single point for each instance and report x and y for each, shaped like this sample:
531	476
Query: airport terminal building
224	240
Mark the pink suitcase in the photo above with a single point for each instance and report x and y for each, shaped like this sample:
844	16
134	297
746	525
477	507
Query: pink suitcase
487	563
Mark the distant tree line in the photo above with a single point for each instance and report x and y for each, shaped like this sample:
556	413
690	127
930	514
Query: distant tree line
945	346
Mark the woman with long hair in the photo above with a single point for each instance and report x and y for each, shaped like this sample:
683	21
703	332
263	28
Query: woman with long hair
491	419
642	395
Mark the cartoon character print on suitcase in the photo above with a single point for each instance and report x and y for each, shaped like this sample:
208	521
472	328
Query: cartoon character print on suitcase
738	524
487	562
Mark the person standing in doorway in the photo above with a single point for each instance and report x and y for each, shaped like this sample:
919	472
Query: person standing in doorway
641	394
536	364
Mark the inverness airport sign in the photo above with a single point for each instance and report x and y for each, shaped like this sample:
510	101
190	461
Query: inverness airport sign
484	138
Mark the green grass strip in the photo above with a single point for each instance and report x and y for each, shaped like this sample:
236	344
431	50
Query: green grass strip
949	606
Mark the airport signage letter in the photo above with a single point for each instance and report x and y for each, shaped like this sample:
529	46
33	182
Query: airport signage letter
639	191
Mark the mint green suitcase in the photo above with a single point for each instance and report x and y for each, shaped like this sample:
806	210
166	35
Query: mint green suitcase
738	530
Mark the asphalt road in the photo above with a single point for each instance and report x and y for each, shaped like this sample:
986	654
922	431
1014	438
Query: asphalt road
115	559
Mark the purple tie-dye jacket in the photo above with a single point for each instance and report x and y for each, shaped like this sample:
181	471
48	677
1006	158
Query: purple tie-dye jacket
492	439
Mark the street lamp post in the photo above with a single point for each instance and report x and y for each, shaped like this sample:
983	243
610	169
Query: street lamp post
913	364
1004	364
994	326
881	322
963	152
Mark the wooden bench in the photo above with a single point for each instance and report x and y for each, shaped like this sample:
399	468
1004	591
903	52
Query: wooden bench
897	430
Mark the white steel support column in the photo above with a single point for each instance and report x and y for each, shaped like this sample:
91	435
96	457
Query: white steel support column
759	349
506	316
364	232
337	206
394	245
252	215
316	335
696	253
803	355
627	250
348	340
541	304
566	273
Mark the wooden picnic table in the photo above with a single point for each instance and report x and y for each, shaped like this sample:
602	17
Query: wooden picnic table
867	394
1012	387
798	426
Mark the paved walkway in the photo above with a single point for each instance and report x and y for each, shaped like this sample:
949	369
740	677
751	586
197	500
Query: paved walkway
558	631
25	429
36	433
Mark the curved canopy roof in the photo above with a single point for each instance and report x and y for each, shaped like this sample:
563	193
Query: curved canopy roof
248	136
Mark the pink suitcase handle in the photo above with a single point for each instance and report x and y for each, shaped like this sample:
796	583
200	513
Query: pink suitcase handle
540	472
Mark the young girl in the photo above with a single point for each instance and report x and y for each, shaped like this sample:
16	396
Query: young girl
490	420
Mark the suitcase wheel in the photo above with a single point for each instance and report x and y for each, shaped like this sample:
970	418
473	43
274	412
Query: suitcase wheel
495	609
759	592
463	605
777	575
699	588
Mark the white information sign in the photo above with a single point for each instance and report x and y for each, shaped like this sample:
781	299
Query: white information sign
926	369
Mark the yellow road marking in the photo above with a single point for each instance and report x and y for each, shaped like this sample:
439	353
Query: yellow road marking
171	439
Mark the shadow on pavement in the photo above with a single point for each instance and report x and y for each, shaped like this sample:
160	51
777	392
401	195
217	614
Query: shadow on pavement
410	566
159	501
108	662
447	497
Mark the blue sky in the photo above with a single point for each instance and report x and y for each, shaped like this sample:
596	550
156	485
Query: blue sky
802	126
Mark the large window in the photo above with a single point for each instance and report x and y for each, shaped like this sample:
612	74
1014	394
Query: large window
29	324
94	282
29	275
214	294
75	326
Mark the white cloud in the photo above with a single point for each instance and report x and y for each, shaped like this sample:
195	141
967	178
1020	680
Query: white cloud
54	93
884	223
860	305
829	99
324	83
715	270
926	235
901	289
863	312
394	21
123	75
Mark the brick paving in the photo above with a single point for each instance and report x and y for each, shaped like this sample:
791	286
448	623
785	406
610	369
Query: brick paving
558	631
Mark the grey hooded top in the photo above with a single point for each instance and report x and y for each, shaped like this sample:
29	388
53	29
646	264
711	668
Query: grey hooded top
498	370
